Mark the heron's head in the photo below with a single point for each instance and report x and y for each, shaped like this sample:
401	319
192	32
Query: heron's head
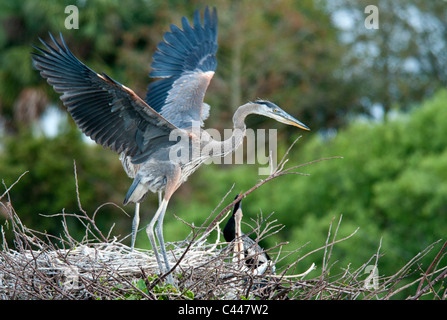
271	110
237	206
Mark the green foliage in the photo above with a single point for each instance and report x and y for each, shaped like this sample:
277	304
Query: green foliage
403	61
112	38
390	184
299	72
160	291
49	186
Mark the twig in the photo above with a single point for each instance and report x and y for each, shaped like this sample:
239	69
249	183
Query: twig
280	171
11	186
420	291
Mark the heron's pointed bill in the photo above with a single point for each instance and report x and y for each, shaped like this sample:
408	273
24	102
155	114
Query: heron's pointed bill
294	122
286	118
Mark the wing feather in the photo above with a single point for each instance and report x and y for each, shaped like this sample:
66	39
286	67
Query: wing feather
108	112
185	61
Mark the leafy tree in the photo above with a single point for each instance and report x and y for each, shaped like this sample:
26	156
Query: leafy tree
120	40
390	183
404	60
49	186
111	38
287	51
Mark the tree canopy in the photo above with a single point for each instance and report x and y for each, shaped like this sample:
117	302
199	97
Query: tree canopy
371	96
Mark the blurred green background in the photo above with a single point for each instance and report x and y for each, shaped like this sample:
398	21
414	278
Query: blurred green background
375	97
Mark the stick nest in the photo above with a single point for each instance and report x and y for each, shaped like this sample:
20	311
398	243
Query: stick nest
41	266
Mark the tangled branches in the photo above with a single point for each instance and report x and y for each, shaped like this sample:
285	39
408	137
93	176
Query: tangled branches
38	265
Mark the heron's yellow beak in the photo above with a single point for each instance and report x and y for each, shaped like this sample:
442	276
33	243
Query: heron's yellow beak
288	119
281	116
299	124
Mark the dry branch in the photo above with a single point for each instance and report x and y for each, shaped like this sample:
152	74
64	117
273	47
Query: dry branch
42	266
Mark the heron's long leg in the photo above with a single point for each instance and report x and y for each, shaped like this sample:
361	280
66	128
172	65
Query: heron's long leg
135	224
159	231
171	185
161	241
159	234
150	233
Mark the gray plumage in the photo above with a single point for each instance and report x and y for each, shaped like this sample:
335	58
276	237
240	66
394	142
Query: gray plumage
150	134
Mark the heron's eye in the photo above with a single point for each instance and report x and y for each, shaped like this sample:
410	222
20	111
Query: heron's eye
275	110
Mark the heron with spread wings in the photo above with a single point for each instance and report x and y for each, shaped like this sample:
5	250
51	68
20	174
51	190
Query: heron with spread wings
141	130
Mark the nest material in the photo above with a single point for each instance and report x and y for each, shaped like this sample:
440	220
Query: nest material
111	271
36	268
41	266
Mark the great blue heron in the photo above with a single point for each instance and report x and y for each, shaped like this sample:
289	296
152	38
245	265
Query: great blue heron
141	130
246	249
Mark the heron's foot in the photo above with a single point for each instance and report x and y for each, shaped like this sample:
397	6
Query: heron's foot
163	269
169	279
166	269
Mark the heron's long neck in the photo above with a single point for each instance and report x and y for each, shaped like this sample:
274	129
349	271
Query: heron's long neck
232	143
241	113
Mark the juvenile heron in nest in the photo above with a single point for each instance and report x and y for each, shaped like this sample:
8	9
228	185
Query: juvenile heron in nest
149	133
245	248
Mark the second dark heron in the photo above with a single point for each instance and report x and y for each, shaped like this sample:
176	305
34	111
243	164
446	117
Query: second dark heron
245	248
149	134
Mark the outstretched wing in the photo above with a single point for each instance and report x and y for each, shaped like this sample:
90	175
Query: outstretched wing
106	111
186	62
